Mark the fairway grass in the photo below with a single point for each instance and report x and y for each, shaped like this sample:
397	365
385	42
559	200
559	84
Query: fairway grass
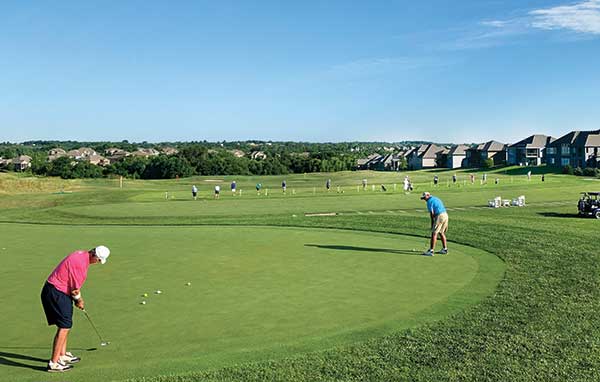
536	319
256	293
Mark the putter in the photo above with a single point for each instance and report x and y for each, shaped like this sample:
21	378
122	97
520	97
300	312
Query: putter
102	342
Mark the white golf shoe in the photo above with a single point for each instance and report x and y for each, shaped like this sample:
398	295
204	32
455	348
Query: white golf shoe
69	358
58	367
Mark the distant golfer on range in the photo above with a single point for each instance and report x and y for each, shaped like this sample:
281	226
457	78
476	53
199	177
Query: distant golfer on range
60	291
439	222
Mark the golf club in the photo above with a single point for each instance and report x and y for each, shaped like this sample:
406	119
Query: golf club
102	342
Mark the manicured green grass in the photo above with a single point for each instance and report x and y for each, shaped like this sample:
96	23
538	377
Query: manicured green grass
256	293
540	324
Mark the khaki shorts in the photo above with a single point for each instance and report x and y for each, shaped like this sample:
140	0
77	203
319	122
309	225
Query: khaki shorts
440	225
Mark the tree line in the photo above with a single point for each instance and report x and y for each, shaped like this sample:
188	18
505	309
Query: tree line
195	158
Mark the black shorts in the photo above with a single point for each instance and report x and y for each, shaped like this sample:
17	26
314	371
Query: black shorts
57	306
194	194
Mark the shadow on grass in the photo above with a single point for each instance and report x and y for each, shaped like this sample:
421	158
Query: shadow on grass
559	215
535	170
365	249
8	362
40	348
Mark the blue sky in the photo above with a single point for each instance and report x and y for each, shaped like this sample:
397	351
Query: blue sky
463	71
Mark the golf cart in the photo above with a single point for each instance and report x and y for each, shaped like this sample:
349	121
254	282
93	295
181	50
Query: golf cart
589	204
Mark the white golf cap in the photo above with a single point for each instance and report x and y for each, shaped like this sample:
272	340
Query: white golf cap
102	253
424	195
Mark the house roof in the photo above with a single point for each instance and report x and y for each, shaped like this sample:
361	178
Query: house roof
593	140
430	151
458	150
94	157
388	159
25	159
410	152
86	150
579	138
534	141
491	146
74	153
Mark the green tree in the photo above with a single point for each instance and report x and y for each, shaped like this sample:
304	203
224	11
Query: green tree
488	163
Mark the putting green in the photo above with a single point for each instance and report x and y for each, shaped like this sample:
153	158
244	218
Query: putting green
255	293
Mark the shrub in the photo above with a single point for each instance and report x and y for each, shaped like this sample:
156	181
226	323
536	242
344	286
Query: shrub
578	171
568	169
590	171
488	163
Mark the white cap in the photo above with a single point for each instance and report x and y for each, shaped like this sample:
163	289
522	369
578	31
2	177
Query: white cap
425	195
102	253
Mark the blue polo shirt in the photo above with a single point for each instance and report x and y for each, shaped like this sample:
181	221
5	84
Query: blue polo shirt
435	206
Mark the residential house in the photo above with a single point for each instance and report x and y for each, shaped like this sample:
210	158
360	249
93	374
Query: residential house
169	150
75	154
424	156
5	163
22	162
56	153
97	160
369	162
476	155
86	151
531	151
114	154
387	162
145	153
457	156
237	153
258	155
441	157
577	149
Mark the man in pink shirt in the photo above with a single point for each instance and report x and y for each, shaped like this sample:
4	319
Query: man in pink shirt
60	291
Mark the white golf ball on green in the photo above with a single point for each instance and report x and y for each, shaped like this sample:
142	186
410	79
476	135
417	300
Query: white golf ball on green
143	302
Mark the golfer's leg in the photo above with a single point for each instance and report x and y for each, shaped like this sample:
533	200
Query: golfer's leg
433	240
443	235
63	350
60	340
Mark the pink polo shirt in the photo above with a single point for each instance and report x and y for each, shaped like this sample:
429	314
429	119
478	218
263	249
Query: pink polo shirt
71	273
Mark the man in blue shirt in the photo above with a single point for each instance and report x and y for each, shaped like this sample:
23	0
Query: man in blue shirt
439	222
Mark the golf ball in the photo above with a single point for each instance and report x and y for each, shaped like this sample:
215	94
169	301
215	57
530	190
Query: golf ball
143	302
188	284
158	292
145	295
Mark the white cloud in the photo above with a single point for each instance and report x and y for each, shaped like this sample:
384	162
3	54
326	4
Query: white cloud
495	23
583	17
